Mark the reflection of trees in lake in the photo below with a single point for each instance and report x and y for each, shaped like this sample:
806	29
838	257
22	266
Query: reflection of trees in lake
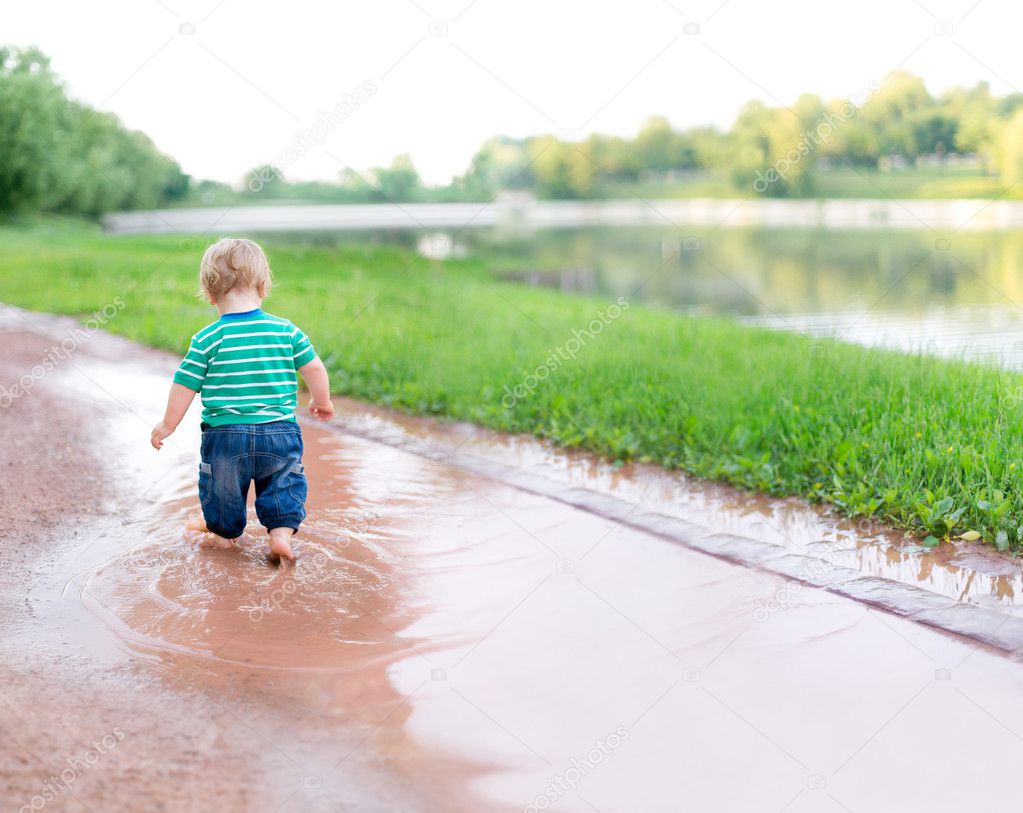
753	270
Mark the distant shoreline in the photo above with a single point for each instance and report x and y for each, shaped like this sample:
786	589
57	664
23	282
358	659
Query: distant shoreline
935	214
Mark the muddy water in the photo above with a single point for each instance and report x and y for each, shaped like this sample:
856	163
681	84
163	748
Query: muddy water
970	572
315	642
231	606
448	642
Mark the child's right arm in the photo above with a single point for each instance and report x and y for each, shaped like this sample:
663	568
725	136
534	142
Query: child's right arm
188	380
178	402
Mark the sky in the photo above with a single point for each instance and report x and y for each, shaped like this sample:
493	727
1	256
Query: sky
226	85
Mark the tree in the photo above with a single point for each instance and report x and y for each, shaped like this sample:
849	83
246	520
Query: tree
399	181
774	148
892	110
614	156
31	136
1009	153
264	180
57	154
659	148
933	132
500	163
974	111
563	169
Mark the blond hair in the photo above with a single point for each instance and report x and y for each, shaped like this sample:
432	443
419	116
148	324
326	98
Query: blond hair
230	263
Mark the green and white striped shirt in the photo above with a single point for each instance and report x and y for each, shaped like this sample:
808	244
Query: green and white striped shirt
244	367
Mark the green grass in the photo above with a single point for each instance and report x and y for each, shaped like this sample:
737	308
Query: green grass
910	183
843	183
709	186
926	444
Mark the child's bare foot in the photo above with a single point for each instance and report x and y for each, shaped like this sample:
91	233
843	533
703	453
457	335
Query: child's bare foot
280	545
196	531
208	539
196	523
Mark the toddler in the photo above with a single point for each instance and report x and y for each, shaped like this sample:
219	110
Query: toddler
244	367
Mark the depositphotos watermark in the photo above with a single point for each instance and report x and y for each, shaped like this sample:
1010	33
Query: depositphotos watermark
560	784
280	594
810	140
782	598
60	352
60	783
314	567
1011	399
563	354
315	135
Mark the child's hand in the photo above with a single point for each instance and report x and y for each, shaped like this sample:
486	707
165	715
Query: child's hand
323	412
160	431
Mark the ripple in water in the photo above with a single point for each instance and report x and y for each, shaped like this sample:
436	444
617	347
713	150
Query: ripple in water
232	605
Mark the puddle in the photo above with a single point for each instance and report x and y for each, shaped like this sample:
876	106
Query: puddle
964	571
313	643
230	605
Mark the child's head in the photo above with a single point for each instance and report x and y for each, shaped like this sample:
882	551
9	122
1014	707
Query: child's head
234	264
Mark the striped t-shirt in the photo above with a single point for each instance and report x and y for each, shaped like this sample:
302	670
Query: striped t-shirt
244	367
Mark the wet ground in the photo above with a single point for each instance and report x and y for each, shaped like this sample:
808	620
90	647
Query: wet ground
450	641
968	572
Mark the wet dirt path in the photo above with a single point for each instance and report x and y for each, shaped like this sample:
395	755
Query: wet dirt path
447	641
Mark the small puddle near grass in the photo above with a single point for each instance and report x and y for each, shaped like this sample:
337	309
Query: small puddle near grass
965	571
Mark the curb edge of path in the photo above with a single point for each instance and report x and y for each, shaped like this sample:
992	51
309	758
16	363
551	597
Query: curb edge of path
995	629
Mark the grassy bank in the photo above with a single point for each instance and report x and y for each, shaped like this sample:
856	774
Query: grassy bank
927	444
839	183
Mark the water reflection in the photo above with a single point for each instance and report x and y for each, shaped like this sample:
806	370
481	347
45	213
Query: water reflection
914	291
758	271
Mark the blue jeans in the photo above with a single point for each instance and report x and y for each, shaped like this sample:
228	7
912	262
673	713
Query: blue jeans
233	456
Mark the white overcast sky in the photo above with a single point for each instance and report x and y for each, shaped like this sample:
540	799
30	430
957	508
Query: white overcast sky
450	73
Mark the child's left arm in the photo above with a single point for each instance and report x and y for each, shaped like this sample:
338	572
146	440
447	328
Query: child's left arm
315	374
178	402
318	382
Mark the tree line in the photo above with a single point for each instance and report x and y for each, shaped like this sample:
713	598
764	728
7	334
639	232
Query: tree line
770	151
60	155
776	151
